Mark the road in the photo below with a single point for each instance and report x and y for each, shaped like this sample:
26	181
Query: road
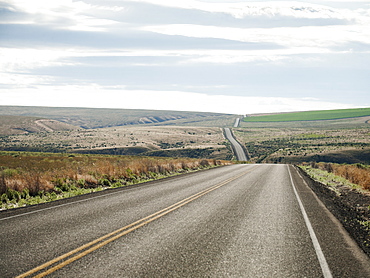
237	122
233	221
238	149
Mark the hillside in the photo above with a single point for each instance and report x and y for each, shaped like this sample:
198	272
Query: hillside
89	118
24	125
114	131
175	141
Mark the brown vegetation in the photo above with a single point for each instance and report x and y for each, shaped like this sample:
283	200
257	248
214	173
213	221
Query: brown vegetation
356	174
39	173
131	140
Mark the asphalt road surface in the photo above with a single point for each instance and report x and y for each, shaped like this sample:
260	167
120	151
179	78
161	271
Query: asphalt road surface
233	221
237	122
238	150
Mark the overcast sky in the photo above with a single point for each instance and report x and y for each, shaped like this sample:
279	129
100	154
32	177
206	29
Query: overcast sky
224	56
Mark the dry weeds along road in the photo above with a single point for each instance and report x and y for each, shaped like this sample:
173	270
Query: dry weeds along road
349	206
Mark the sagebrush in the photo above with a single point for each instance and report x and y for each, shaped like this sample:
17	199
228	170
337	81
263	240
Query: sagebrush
355	173
29	174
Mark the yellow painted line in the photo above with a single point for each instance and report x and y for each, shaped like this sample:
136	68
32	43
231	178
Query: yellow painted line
104	240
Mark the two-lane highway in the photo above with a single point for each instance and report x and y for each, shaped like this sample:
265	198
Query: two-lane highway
234	221
238	149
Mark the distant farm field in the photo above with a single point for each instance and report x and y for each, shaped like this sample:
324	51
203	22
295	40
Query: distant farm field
311	115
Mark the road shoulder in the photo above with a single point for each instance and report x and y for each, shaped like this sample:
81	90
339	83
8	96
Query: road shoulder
333	237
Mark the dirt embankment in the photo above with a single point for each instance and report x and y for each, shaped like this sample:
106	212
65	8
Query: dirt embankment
350	207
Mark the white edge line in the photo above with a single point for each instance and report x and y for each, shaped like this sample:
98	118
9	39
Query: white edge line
320	255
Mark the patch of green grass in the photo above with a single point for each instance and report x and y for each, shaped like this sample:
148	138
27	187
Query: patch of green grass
311	115
366	224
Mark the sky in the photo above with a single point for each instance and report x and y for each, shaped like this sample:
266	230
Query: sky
238	57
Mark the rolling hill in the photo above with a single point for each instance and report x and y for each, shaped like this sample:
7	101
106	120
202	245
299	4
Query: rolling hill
23	125
89	118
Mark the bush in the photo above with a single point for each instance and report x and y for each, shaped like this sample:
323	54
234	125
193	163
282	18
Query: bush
104	182
117	184
4	198
13	195
204	163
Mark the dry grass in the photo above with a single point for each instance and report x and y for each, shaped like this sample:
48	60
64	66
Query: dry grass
356	174
148	138
290	144
11	125
37	173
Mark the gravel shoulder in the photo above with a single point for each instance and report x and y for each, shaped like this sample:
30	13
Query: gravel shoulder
349	206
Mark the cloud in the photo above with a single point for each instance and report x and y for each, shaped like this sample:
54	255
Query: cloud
208	54
61	14
22	60
309	36
270	9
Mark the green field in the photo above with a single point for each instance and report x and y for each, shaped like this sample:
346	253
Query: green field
311	115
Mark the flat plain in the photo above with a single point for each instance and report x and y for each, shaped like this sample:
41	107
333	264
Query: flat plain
278	138
311	115
144	140
341	140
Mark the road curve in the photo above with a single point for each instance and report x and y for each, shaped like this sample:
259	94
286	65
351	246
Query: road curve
234	221
237	148
237	122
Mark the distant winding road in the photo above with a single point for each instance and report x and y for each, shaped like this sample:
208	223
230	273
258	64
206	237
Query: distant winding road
233	221
238	149
237	122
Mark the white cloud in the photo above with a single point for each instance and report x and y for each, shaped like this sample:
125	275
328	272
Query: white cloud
64	14
308	36
22	60
242	9
23	80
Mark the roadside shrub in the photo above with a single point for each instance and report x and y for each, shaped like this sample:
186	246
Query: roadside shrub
117	184
357	173
4	198
81	183
104	182
2	184
328	167
13	194
25	193
204	163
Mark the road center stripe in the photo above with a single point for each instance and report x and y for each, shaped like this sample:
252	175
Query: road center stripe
104	240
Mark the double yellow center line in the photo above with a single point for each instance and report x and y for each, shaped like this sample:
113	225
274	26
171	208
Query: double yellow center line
83	250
